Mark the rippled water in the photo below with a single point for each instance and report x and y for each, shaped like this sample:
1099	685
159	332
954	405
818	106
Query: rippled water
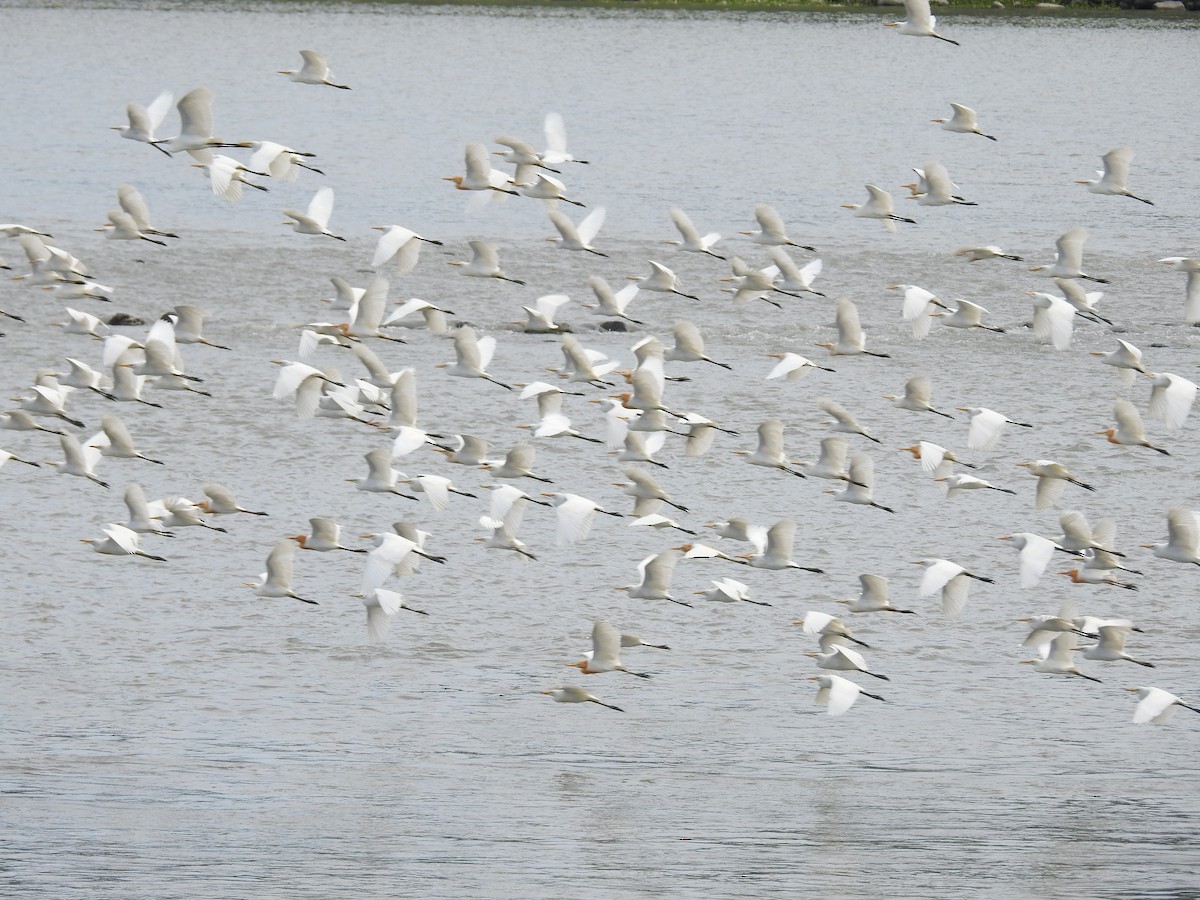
167	735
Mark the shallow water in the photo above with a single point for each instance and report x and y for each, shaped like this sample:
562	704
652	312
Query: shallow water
168	735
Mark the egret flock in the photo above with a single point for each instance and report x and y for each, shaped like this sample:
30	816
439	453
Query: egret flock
350	373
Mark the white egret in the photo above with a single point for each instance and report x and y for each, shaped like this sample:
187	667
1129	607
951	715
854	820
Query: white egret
326	536
577	237
314	71
472	356
114	441
1127	359
1053	478
1058	658
917	392
958	482
776	554
795	278
120	541
548	188
79	460
727	590
610	303
399	245
484	263
1191	303
134	204
381	478
1089	576
606	652
316	219
838	693
1035	554
195	127
382	605
1053	319
556	141
1171	398
873	597
692	241
643	487
935	458
843	420
976	254
662	280
277	161
276	582
1113	634
1156	706
1114	175
1183	538
860	482
952	580
689	345
919	21
480	176
655	578
569	693
771	231
654	520
843	659
938	187
851	338
1068	258
144	121
880	206
769	452
574	516
792	366
964	121
1129	430
986	427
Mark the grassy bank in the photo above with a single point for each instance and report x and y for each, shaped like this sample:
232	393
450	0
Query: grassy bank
1022	8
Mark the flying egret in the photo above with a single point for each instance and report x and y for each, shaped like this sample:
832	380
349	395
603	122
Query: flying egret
952	580
1035	554
189	322
843	659
276	582
844	421
935	459
316	219
986	427
472	356
851	338
1053	478
522	155
392	554
957	482
1127	359
771	231
548	188
1068	258
654	520
976	254
278	161
727	590
691	239
135	206
1058	658
1183	538
610	303
938	187
859	483
1090	576
577	237
1156	706
505	513
480	176
195	127
1129	430
642	486
1114	175
838	693
484	263
5	456
1171	399
917	391
1053	319
79	460
769	452
831	464
119	541
689	345
1191	303
144	121
381	606
792	366
919	21
829	629
1113	633
399	245
226	176
114	441
325	537
314	71
964	121
796	279
873	597
381	478
662	280
880	206
556	141
606	652
655	578
574	516
776	554
569	693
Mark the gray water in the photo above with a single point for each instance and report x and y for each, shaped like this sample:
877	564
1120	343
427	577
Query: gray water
166	734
